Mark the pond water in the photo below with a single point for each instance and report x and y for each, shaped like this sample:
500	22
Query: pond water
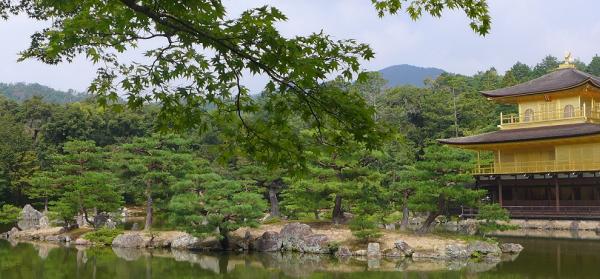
542	258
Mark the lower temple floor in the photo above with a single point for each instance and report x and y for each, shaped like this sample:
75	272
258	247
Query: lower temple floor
553	195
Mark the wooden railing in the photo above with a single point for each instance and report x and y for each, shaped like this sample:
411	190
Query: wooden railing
544	211
538	167
507	120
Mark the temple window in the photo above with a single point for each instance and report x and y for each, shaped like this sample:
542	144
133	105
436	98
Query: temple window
528	115
569	111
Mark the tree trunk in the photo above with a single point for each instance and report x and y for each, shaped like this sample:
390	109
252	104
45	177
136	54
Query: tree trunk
45	205
432	215
224	239
338	214
274	202
404	223
426	227
149	212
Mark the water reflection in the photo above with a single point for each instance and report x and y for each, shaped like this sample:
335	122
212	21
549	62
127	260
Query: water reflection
541	259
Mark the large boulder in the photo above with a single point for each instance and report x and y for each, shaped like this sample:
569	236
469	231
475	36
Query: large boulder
130	240
292	236
185	242
29	218
316	244
484	249
511	248
269	241
373	249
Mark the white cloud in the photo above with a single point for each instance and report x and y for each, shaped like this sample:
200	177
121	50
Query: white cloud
523	31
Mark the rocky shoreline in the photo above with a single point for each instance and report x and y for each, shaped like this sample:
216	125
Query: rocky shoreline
292	237
322	238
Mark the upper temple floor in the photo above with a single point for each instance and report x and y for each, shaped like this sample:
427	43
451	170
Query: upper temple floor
565	96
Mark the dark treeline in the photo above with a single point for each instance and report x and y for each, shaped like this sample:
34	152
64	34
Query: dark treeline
80	158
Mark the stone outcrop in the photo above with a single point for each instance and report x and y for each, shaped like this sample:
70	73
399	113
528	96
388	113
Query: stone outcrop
343	252
484	248
511	248
185	241
13	233
82	242
373	249
457	251
316	244
269	241
58	238
44	222
360	253
129	240
292	236
403	248
29	218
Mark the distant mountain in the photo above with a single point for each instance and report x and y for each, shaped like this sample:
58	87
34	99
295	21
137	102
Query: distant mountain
409	75
22	91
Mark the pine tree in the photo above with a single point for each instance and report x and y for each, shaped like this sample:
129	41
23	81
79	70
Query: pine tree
442	183
150	166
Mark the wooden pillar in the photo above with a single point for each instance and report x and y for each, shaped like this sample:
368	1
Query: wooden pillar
557	193
500	191
478	162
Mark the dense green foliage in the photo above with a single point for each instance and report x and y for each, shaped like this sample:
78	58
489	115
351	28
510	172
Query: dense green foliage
103	236
78	159
491	216
9	214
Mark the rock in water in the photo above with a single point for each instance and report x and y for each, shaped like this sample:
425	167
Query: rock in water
82	242
404	248
44	222
316	243
292	236
12	233
269	241
511	248
373	250
457	251
185	241
131	240
29	219
484	248
343	252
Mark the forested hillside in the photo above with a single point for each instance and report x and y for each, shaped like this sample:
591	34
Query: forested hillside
404	74
79	157
22	91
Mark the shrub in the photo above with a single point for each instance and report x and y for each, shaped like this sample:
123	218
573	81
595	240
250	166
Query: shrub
103	236
365	228
491	214
9	214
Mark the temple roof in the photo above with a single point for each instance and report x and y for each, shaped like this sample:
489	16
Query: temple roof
558	80
538	133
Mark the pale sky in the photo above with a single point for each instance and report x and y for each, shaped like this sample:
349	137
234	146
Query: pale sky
522	30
